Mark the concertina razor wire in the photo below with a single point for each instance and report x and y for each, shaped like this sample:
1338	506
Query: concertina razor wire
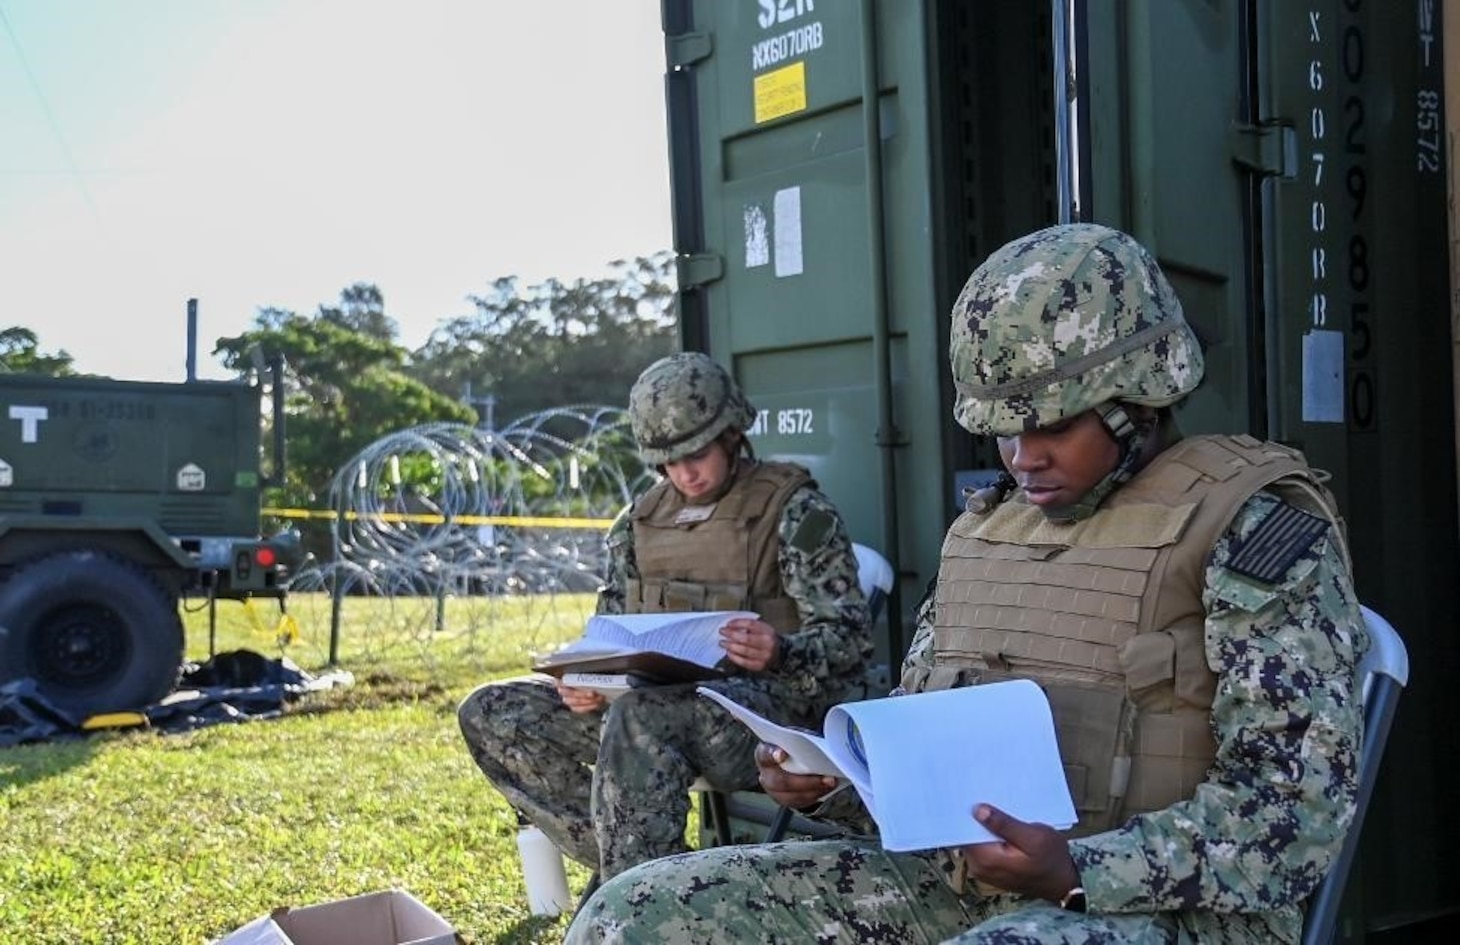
449	528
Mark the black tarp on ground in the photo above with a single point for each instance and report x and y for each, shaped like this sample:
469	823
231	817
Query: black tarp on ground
236	686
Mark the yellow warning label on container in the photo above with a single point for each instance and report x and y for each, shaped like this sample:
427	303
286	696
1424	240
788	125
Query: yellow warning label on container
781	92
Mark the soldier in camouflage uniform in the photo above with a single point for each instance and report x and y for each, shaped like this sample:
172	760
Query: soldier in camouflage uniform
609	782
1186	604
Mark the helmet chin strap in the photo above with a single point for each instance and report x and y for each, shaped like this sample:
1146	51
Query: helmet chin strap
1131	437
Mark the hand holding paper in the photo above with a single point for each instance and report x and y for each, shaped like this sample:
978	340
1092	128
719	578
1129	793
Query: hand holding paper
799	791
749	643
580	698
1031	859
806	751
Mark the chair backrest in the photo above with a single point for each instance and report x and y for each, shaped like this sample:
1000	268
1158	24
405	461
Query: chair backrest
1385	673
875	576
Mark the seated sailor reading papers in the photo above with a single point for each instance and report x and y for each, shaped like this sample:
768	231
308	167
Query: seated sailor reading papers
677	647
921	762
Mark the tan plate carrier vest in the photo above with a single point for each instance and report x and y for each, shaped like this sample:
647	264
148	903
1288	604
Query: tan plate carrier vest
729	560
1106	614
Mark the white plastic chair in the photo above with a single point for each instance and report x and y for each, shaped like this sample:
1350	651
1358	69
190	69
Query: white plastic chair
875	576
1385	672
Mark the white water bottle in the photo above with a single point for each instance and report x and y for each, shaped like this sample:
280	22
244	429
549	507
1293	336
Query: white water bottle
543	871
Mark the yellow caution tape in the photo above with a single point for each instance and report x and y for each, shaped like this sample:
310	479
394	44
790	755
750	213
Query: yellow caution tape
429	518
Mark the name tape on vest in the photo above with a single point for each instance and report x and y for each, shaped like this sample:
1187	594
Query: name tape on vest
694	514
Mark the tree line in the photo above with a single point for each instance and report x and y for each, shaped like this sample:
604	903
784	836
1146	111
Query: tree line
349	380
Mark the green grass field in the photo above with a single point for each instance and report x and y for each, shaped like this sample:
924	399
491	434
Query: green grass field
136	836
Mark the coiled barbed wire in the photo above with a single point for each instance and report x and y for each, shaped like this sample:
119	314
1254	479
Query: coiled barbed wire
445	510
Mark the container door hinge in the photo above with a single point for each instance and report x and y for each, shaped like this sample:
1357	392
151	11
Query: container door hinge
1271	150
686	49
697	269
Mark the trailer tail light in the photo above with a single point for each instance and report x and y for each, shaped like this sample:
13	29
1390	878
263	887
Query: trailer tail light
266	557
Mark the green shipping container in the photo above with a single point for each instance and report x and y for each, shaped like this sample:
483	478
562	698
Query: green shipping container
840	166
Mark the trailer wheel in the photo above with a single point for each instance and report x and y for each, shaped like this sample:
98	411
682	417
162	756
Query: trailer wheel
96	633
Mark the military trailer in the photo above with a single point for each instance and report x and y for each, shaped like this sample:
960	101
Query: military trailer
117	499
838	169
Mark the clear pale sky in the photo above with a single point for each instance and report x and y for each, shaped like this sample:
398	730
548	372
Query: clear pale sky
254	153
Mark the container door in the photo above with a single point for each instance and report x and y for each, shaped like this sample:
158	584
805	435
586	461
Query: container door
1283	160
811	285
1361	353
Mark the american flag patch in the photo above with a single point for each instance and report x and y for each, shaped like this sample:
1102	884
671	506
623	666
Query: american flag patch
1281	538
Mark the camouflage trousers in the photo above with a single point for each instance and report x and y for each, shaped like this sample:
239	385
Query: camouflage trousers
611	789
829	892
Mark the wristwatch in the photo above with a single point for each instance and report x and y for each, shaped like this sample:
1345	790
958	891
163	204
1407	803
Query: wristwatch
1074	900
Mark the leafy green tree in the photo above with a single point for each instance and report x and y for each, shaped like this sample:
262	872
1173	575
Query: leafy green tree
556	344
20	354
345	383
362	309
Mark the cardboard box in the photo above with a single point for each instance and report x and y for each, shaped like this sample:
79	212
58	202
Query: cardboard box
392	917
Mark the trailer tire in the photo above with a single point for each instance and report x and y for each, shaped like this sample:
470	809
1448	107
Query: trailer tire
96	633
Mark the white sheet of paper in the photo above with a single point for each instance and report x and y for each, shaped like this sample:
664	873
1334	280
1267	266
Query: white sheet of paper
922	762
934	756
689	636
807	750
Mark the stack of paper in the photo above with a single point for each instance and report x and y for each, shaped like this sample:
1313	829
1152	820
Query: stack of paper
922	762
655	647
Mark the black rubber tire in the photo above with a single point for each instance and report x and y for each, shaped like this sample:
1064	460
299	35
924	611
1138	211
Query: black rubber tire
97	633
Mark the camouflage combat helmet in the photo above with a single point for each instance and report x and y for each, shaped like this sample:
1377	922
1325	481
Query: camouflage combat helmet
1064	320
682	403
